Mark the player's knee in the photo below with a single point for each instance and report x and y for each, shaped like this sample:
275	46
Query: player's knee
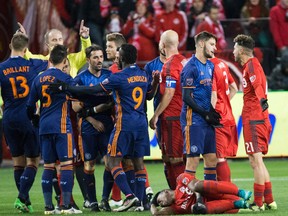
89	165
198	208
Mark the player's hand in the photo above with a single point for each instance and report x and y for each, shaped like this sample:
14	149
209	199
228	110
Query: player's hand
21	29
153	121
154	200
96	124
58	87
85	112
212	117
156	77
83	31
35	120
264	104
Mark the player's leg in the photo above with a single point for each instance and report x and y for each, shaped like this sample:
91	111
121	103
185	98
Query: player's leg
128	168
108	182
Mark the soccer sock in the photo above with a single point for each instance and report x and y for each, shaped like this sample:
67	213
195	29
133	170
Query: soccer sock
47	185
66	183
219	206
210	173
147	184
18	171
268	196
258	194
56	183
26	181
166	174
140	178
108	182
214	187
190	172
130	175
170	176
178	168
79	171
116	192
223	171
121	180
90	184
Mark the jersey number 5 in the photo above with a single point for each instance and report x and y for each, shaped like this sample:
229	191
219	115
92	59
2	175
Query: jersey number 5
46	95
23	85
137	95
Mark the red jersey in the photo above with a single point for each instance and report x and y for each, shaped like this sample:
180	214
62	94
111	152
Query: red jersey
184	197
170	76
254	88
114	68
221	81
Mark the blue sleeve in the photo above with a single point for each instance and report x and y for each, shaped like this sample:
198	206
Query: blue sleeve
39	65
78	80
188	76
111	83
33	96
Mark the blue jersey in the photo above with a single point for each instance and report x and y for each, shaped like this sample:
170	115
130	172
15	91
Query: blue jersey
151	67
55	107
16	77
198	77
129	91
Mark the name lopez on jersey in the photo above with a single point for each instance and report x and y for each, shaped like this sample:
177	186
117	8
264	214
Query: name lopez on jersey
50	79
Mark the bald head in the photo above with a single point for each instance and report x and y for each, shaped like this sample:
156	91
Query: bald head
170	38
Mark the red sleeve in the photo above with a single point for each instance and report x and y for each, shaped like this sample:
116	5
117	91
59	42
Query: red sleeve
274	28
147	27
214	82
255	73
183	34
128	26
157	28
204	26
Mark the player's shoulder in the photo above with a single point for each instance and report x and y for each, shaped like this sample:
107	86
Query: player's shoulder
105	71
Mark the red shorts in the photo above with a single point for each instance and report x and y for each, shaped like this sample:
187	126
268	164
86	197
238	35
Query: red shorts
226	141
171	137
256	136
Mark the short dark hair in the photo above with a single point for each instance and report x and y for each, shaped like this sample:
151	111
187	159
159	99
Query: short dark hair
93	47
118	38
128	53
58	54
245	41
19	42
204	35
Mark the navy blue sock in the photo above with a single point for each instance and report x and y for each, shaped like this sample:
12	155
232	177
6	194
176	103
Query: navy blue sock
26	181
66	183
130	175
47	185
108	182
18	171
121	180
140	180
210	173
90	184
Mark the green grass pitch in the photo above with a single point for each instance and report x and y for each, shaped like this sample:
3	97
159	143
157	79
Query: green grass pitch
242	176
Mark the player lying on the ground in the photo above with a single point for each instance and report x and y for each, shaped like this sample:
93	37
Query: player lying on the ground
200	197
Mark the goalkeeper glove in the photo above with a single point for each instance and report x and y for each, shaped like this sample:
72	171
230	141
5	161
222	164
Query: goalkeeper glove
87	112
58	87
264	104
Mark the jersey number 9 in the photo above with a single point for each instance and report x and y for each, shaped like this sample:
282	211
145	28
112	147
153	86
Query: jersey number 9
137	95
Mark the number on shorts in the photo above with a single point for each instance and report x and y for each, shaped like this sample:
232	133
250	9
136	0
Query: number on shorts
249	147
137	95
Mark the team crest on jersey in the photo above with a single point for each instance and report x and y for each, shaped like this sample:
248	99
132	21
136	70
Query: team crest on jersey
185	181
253	78
106	81
194	148
176	21
87	156
189	81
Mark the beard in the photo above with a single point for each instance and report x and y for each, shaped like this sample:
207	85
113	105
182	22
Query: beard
205	53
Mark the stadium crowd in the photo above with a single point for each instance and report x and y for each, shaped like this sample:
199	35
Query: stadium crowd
88	107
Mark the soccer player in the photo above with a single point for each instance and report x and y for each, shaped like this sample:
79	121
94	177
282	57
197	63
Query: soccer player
54	37
130	88
169	108
200	197
198	115
16	77
223	90
96	126
55	130
255	118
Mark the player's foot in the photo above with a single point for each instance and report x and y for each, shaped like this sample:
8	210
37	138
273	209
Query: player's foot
74	205
94	207
20	206
86	204
104	205
255	207
137	207
149	194
241	204
70	210
271	206
245	194
115	204
51	211
128	203
31	210
147	206
58	199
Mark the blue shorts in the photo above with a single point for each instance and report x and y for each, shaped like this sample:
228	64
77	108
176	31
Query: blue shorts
21	137
131	144
199	140
57	147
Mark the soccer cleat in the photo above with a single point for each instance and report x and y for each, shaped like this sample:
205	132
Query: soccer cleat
31	210
114	203
147	206
51	211
149	194
137	207
86	204
271	206
241	204
254	207
94	207
70	211
129	202
20	206
245	194
104	205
